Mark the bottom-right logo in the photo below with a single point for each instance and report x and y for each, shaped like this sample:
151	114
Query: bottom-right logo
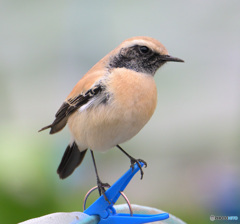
233	218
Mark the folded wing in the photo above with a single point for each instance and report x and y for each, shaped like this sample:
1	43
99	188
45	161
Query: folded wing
70	106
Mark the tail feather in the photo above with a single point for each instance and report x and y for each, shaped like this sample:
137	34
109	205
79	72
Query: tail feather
71	159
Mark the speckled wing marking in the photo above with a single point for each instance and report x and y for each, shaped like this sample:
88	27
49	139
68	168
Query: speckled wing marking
70	106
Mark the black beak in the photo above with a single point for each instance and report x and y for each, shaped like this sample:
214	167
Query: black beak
170	58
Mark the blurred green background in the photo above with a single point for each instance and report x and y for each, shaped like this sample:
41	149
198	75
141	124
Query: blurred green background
191	143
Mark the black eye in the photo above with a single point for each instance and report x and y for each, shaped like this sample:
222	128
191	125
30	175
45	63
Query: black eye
144	49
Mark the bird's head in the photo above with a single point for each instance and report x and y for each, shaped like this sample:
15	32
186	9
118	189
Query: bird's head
141	54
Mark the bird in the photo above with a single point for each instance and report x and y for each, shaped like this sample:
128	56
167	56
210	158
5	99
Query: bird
111	103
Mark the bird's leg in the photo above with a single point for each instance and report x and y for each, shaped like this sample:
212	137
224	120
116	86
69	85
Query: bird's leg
100	184
133	161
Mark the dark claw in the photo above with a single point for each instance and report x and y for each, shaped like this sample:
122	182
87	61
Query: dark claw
145	163
101	189
133	161
132	165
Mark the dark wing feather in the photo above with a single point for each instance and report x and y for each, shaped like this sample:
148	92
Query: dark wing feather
69	107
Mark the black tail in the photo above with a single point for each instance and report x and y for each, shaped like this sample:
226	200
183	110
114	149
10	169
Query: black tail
71	159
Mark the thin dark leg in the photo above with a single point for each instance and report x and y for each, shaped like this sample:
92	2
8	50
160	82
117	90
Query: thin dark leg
133	160
101	185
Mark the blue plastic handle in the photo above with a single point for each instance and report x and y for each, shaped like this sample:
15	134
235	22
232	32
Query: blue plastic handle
100	206
121	218
107	212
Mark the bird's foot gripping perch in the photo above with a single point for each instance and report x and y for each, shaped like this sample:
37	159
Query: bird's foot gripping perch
134	161
138	161
101	189
107	213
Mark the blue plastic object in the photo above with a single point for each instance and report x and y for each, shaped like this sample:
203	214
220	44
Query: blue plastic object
107	212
